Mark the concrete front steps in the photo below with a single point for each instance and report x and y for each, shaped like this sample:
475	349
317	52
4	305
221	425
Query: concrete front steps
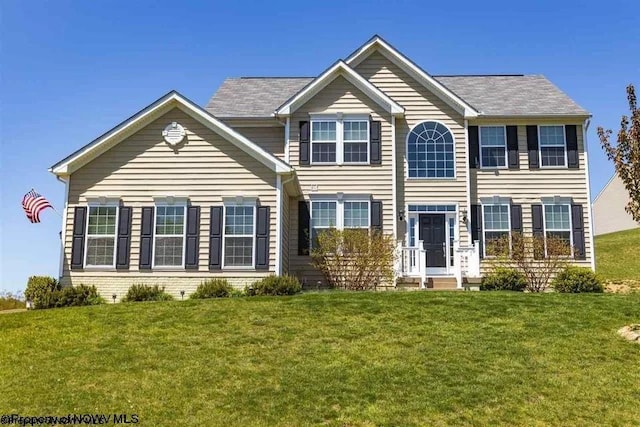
435	284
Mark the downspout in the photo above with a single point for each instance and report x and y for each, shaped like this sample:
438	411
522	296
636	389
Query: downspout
63	230
468	171
585	127
394	200
279	198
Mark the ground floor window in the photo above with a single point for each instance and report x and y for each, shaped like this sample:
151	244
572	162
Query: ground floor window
557	225
101	236
169	236
239	223
496	227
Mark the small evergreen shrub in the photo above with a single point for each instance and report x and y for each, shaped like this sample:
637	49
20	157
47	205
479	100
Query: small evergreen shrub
146	293
577	280
40	289
503	279
74	296
213	288
275	285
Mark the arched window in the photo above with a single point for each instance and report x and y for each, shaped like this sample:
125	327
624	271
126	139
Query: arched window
430	151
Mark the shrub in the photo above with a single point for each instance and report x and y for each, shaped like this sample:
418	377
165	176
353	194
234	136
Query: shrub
354	259
213	288
577	280
504	279
9	301
40	289
74	296
275	285
146	293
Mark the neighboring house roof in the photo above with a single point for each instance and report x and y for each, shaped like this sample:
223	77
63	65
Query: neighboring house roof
145	116
330	74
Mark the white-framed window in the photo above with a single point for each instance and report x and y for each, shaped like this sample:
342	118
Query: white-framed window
339	213
553	146
557	224
169	236
340	139
102	226
496	221
493	147
431	151
239	235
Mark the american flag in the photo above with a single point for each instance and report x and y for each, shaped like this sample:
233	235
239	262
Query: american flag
34	203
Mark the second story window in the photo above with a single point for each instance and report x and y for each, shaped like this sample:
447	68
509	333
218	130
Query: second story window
493	147
430	151
339	139
552	143
323	141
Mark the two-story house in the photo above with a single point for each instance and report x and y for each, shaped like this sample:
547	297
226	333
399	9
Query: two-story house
238	189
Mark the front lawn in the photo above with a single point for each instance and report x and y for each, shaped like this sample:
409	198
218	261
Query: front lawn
394	358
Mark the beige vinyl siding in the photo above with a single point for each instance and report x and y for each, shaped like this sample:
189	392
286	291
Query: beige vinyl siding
526	187
269	138
339	96
204	168
420	105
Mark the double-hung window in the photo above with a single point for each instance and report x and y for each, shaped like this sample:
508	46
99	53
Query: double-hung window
493	147
496	229
340	214
557	226
101	236
340	139
553	147
169	236
239	235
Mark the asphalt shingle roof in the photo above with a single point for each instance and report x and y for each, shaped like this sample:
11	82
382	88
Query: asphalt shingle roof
512	95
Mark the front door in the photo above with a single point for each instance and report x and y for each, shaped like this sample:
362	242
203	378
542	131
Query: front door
433	236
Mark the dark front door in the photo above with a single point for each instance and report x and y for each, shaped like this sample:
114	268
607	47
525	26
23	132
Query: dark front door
432	233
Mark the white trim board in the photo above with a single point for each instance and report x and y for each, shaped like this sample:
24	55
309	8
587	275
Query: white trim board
340	68
163	105
377	43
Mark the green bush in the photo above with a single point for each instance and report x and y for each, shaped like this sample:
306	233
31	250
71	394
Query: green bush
577	280
275	285
213	288
74	296
40	289
146	293
503	279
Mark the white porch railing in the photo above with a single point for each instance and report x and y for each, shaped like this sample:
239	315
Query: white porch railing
411	261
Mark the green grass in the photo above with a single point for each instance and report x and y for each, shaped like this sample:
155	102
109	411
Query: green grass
618	255
9	301
394	358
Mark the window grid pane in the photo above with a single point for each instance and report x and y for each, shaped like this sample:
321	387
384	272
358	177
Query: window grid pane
168	251
496	217
323	152
100	250
356	131
170	220
356	152
323	131
102	220
356	215
239	220
238	251
430	151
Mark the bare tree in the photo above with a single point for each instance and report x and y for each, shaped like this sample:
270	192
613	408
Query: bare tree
626	153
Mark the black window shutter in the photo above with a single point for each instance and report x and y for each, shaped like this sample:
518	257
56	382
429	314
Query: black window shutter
77	244
512	147
304	218
578	232
262	238
537	225
516	218
123	245
376	215
571	133
305	131
532	146
474	147
192	251
375	132
146	237
476	226
215	238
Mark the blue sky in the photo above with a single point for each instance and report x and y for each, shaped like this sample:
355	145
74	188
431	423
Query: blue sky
72	70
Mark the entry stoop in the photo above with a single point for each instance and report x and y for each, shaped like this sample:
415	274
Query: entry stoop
442	283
